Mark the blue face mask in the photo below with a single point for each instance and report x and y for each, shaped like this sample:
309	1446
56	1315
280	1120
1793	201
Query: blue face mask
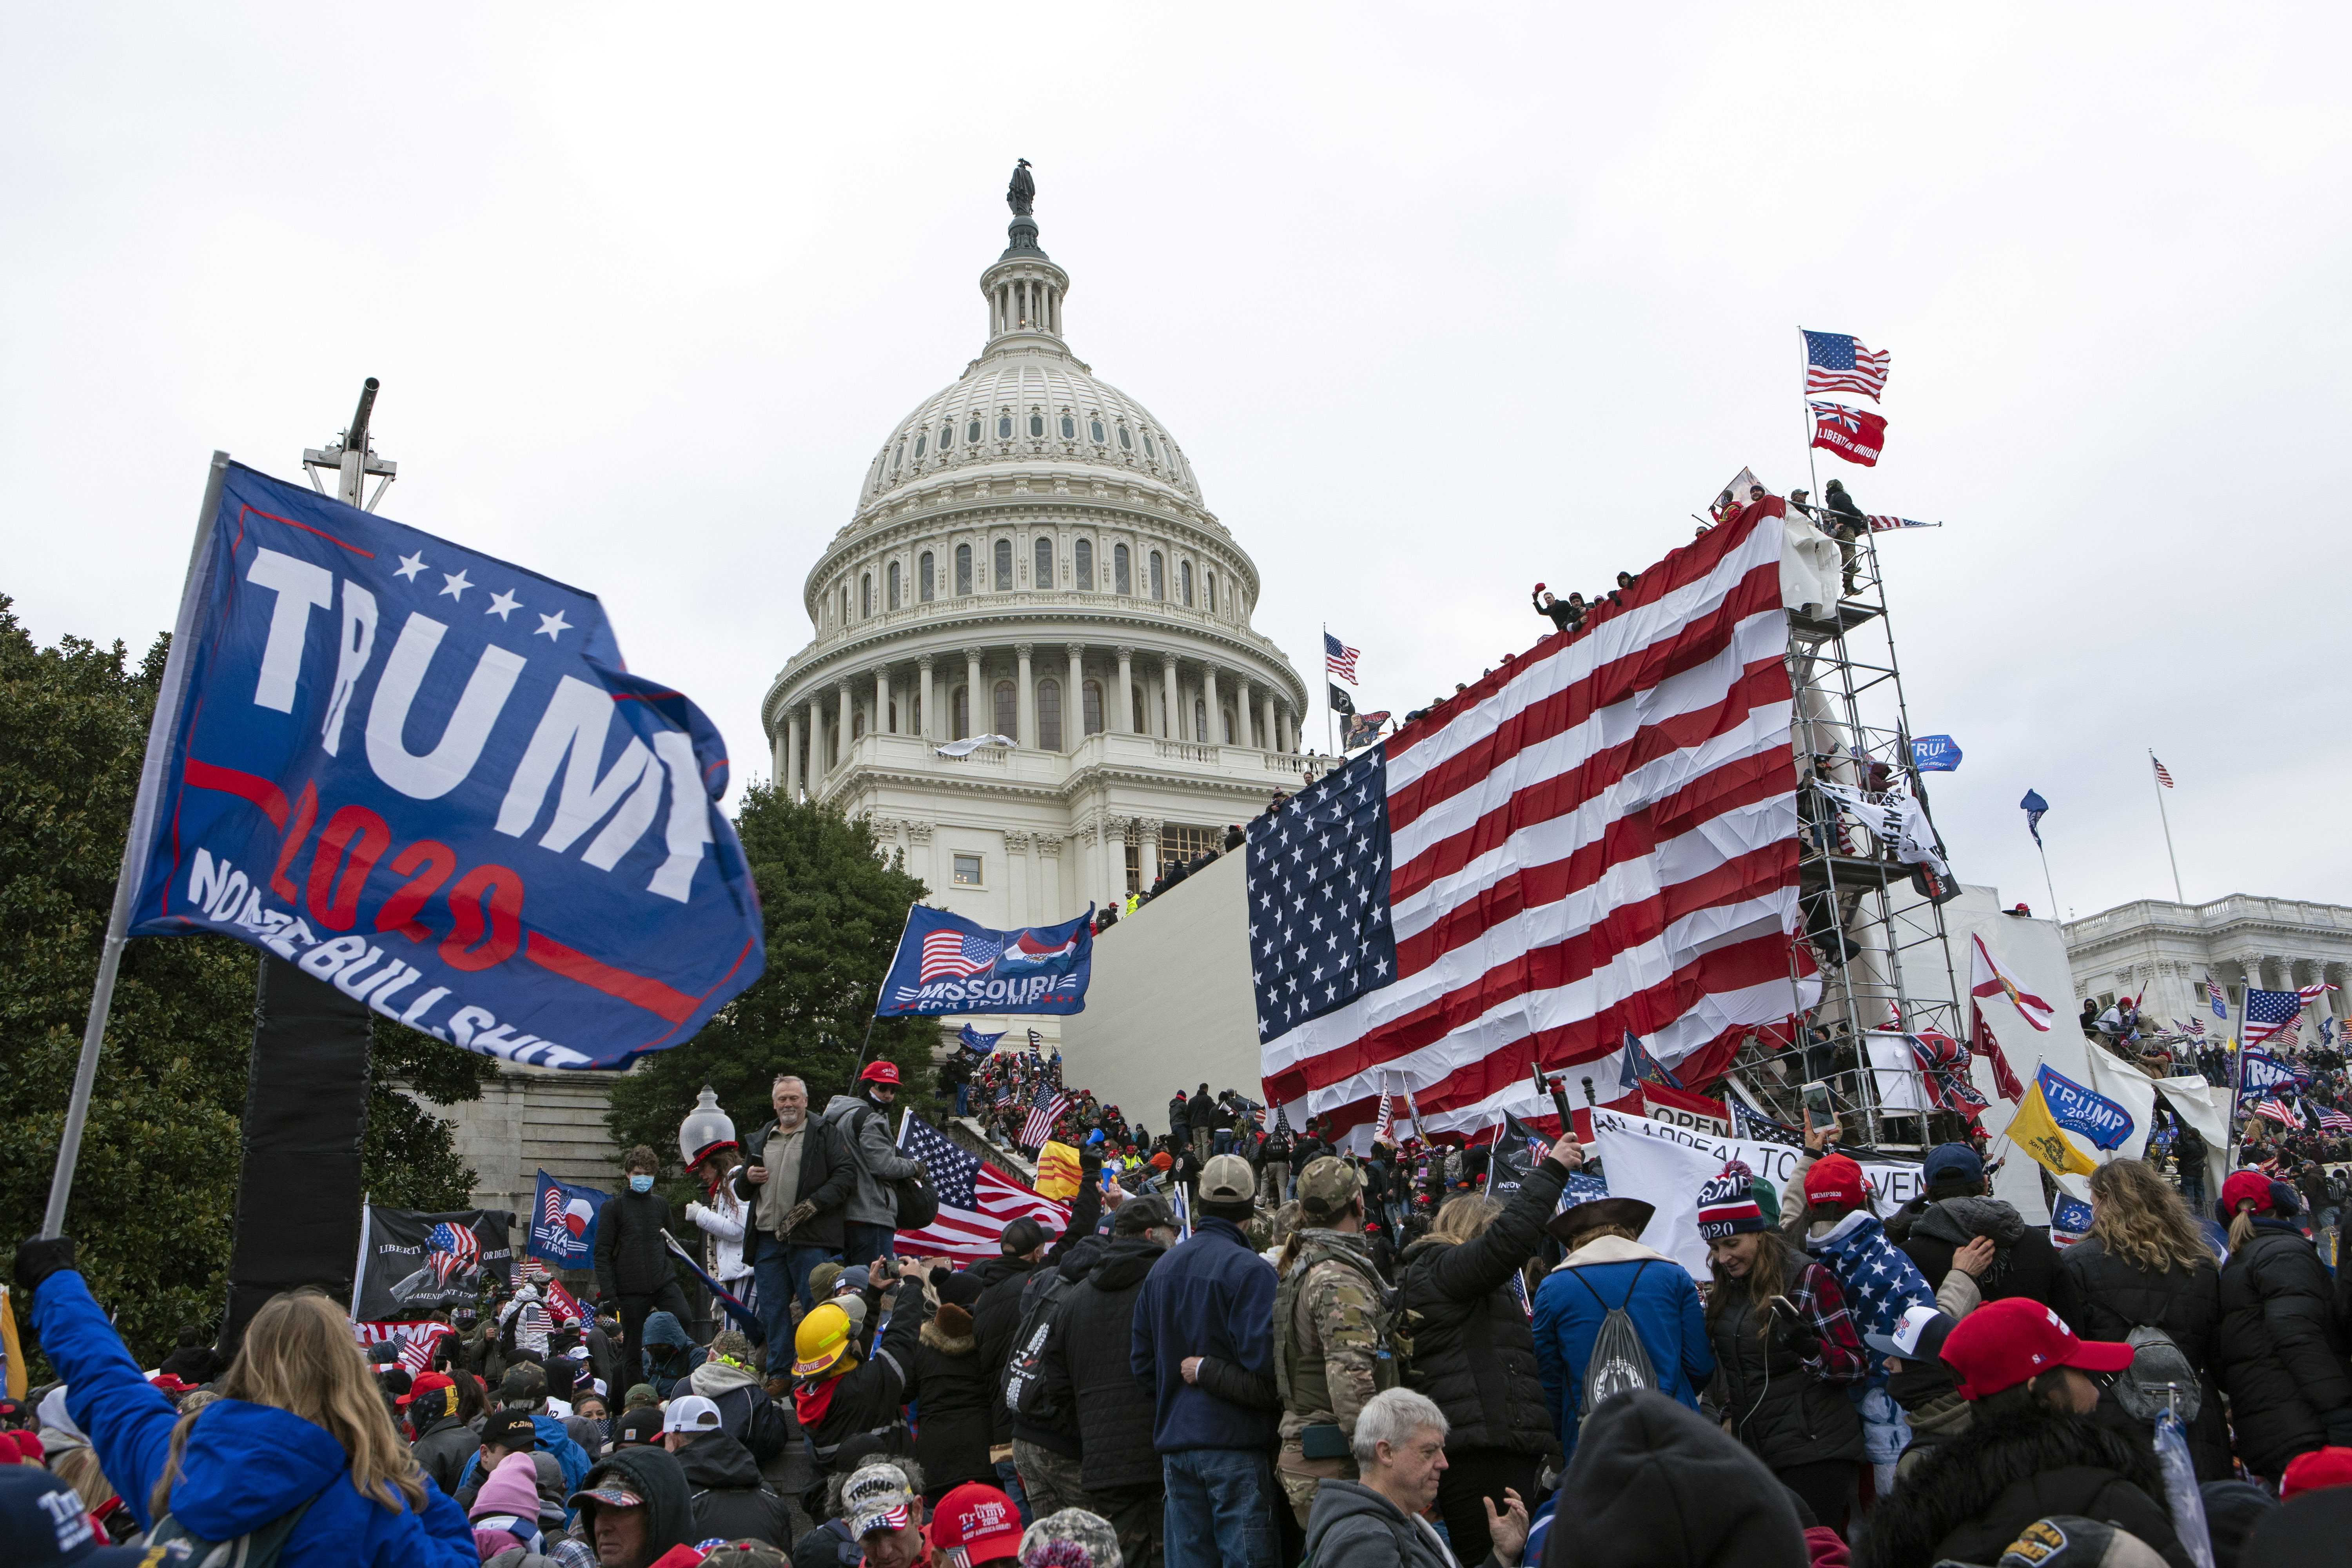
641	1183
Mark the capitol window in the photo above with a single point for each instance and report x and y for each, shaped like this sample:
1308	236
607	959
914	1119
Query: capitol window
921	442
1084	551
1037	425
947	437
1008	710
967	872
1199	719
1209	582
1121	582
1184	581
1125	444
865	594
901	453
1069	428
971	433
1043	575
1049	715
894	585
923	579
1159	581
963	712
1147	447
1004	566
1096	427
964	568
1005	427
1180	845
1090	701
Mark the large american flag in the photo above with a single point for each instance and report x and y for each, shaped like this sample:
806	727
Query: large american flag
1339	658
977	1200
2270	1014
2333	1120
1043	1111
1836	362
1595	840
952	956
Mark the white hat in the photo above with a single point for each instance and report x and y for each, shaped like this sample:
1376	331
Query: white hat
690	1414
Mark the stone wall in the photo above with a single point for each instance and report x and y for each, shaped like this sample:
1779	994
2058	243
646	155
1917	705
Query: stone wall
530	1120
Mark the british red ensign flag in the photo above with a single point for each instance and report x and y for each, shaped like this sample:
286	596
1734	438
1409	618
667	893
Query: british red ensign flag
1598	838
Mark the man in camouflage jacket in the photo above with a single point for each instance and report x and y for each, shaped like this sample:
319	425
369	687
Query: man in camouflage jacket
1331	1349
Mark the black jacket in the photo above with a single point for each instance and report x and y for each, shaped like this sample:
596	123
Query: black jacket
1656	1485
1086	1368
2280	1353
1197	1112
442	1449
867	1397
1180	1115
1969	1499
948	1384
729	1498
655	1475
1051	1423
996	1316
630	1257
1473	1351
1784	1415
826	1179
2102	1297
1931	1231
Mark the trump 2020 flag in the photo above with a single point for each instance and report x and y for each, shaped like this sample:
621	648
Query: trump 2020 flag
946	963
564	1223
423	773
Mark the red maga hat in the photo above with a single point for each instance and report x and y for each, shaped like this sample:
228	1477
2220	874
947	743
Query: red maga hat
2003	1343
880	1072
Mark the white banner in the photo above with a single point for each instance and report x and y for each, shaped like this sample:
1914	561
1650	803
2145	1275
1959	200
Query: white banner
1665	1166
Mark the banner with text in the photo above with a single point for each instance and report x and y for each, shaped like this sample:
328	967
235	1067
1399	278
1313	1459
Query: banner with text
946	963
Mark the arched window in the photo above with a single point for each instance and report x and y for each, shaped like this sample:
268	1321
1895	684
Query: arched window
893	728
1094	428
1084	551
964	712
844	604
1069	428
1210	583
1184	580
1004	426
923	577
1199	719
921	442
900	455
1037	425
894	585
1147	447
1091	706
1121	582
1141	728
1159	578
971	431
864	594
1049	715
1226	722
856	724
964	568
1042	574
1004	566
947	437
1008	709
1125	443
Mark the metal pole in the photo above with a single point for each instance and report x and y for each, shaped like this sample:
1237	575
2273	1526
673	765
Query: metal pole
134	847
359	1268
2040	848
2158	784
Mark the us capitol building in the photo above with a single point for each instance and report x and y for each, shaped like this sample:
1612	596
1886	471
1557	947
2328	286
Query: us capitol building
1030	558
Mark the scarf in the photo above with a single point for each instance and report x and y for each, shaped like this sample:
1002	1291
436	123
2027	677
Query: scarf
811	1401
1879	1281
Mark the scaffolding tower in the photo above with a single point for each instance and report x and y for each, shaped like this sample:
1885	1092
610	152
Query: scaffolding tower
1870	923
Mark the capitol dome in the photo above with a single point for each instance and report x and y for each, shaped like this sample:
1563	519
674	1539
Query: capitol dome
1029	558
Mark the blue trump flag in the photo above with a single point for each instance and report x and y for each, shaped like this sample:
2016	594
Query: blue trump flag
2084	1111
2034	807
423	773
946	963
563	1222
1935	753
975	1042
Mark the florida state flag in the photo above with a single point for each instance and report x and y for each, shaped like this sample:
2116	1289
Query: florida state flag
1850	433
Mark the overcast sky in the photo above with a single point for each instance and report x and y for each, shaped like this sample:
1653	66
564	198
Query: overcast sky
1439	301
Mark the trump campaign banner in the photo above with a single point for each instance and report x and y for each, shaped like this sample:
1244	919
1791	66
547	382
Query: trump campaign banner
564	1223
425	774
413	1261
946	963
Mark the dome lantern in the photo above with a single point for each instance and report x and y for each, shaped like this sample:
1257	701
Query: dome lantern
1023	287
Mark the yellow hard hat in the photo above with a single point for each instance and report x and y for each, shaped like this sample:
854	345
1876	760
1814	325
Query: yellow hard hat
822	1340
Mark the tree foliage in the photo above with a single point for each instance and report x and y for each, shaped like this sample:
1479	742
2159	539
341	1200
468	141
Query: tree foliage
833	905
154	1196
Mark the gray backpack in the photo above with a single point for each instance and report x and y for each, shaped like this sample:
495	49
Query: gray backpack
1620	1362
2158	1374
257	1550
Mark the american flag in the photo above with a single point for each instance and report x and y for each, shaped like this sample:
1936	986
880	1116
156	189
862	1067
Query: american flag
1882	523
1043	1111
977	1200
2270	1014
1339	658
1836	362
2275	1110
1384	1120
2161	776
952	956
1594	840
1005	1090
2334	1121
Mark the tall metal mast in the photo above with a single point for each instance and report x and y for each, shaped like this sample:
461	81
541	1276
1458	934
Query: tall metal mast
352	458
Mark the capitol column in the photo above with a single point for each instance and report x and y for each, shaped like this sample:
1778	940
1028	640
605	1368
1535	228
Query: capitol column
841	751
973	723
1074	701
777	751
1269	732
1148	871
1171	709
882	725
1024	699
930	714
788	784
1123	721
1209	701
1242	714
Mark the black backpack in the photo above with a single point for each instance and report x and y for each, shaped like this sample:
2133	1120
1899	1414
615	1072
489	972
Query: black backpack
1021	1386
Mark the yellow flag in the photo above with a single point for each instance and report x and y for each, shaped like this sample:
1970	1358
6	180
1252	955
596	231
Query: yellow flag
1057	1173
11	1346
2033	1130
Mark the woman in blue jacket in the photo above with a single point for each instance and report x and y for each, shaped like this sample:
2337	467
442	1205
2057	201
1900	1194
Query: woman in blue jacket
1608	1266
301	1426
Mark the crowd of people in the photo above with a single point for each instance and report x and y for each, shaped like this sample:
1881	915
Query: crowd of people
1249	1345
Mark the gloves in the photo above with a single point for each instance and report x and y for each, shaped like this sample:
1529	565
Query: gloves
41	1257
691	1205
799	1215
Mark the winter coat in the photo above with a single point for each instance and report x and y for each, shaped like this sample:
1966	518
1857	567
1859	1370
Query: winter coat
1005	1302
1786	1414
865	1130
1472	1350
1210	1296
1180	1117
2280	1352
667	1352
827	1177
630	1257
727	1220
1970	1497
1198	1113
1352	1526
2102	1297
1655	1485
243	1465
1052	1423
547	1432
655	1475
1665	1308
1085	1367
442	1449
1929	1232
948	1384
726	1495
866	1397
745	1412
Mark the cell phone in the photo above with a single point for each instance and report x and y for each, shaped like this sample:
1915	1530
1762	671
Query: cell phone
1818	1111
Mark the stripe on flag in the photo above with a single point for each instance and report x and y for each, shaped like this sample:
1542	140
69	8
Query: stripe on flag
977	1200
2161	776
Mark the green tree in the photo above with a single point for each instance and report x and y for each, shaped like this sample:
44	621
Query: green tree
834	905
154	1196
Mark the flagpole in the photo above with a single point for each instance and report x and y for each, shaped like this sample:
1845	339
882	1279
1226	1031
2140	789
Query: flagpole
2158	784
2042	849
134	850
1805	417
358	1264
1331	717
